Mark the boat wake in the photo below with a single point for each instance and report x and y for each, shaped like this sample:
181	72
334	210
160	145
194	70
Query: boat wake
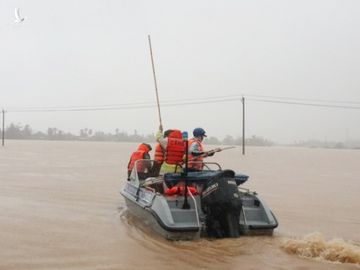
139	231
210	252
316	246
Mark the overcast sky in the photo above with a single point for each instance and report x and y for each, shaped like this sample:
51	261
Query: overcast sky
87	53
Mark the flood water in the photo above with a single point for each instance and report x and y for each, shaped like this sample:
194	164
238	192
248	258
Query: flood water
61	209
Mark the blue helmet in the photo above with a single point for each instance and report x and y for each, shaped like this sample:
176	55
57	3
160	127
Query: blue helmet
199	132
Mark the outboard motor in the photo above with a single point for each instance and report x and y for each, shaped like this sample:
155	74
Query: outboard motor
221	202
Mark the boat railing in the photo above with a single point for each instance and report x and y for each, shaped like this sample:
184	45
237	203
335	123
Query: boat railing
248	191
144	168
244	216
195	205
208	166
245	189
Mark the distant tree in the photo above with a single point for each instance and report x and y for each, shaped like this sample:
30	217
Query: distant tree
238	141
99	136
149	138
258	141
16	131
212	140
26	132
228	140
84	133
49	132
13	131
39	136
52	133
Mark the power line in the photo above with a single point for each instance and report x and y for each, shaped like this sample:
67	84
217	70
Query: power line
189	101
306	104
305	99
125	107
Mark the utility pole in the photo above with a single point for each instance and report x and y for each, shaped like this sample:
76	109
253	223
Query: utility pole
243	125
3	127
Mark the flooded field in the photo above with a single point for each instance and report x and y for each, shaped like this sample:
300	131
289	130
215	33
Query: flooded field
61	209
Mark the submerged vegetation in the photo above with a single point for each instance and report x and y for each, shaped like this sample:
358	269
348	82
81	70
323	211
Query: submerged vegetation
20	132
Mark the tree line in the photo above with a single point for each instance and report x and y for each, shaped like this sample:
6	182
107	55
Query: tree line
20	132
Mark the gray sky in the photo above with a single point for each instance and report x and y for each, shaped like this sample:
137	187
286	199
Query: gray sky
85	53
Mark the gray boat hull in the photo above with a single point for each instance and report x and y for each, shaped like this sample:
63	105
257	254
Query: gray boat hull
162	214
180	217
165	216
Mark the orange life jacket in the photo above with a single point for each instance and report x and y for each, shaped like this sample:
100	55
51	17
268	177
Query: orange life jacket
175	149
159	154
137	155
181	190
195	162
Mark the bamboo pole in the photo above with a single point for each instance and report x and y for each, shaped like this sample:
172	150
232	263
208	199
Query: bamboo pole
156	88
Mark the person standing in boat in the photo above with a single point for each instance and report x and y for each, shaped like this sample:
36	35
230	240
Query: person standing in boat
159	155
196	150
143	167
174	150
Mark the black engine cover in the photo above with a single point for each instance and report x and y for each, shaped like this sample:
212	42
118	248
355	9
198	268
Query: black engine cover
221	202
221	191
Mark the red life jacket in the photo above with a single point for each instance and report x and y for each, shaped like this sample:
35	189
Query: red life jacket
181	190
175	149
159	154
137	155
195	162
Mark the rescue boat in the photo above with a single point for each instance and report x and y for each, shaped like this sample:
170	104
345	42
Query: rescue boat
211	203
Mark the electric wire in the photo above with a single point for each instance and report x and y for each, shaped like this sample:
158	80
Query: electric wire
305	99
306	104
125	105
114	108
193	101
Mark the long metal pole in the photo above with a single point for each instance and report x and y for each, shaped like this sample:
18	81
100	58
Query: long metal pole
3	127
243	126
186	204
156	89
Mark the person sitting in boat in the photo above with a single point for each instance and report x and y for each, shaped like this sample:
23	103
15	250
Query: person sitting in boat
196	150
159	155
174	149
143	167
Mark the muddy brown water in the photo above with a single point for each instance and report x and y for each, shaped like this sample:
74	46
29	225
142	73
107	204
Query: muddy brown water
61	209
